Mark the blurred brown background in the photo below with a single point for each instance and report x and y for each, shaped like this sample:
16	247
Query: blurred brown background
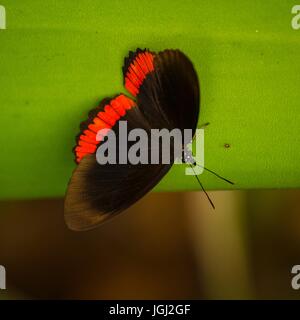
167	246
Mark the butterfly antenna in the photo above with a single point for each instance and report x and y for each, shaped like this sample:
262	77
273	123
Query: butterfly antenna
217	175
209	199
204	125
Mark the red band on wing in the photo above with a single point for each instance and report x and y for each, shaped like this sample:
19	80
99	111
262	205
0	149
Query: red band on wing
87	141
137	71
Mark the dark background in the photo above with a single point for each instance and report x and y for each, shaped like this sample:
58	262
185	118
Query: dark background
167	246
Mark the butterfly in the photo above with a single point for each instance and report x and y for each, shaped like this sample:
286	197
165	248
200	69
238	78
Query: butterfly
166	95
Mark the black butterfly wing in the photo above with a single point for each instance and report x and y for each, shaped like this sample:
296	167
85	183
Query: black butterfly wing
98	192
166	84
